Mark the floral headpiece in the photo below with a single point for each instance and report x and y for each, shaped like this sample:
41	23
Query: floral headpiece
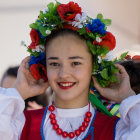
70	16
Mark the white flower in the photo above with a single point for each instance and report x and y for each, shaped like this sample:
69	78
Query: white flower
98	39
33	50
46	10
48	32
79	20
108	57
39	48
99	59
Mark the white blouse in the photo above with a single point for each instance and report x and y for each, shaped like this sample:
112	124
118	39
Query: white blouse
12	119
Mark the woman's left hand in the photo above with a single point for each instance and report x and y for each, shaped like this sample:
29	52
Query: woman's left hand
117	92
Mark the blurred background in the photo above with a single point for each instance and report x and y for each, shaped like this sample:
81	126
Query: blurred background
16	15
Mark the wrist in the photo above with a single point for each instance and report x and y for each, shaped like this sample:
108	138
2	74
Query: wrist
20	91
128	94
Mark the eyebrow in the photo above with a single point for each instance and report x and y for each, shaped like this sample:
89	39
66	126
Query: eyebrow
73	57
76	57
52	58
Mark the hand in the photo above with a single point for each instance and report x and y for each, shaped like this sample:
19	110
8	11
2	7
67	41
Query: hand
33	105
26	85
117	92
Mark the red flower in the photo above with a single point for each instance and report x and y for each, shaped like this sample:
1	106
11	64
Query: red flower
69	26
108	40
87	30
35	39
136	57
68	11
128	57
38	71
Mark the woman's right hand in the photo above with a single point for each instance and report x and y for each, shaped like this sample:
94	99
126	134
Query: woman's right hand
26	85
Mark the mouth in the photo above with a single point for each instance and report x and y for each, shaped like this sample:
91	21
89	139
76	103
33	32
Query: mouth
66	85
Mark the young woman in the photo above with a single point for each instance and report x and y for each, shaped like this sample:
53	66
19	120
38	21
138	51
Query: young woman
69	64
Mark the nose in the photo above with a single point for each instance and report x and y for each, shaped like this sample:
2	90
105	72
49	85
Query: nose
64	72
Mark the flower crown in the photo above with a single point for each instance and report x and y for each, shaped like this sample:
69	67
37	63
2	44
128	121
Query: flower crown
70	16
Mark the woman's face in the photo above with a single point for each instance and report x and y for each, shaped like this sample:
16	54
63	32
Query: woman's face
69	68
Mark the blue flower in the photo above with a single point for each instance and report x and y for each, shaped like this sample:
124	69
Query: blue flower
39	59
97	26
40	35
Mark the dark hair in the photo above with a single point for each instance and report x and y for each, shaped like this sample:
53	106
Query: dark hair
11	71
133	70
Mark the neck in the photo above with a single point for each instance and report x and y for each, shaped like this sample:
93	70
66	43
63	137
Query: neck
70	104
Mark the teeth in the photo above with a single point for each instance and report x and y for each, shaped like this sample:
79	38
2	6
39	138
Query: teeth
65	85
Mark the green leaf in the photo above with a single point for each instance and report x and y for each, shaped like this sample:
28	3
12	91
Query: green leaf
29	50
42	30
41	15
91	35
114	69
102	50
107	22
115	60
100	16
33	53
50	6
114	79
91	47
103	82
123	55
38	23
104	73
82	31
33	26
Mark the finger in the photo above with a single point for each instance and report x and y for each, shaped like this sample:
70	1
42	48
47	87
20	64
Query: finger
122	70
24	61
27	65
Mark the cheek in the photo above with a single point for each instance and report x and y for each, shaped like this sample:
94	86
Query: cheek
83	74
51	74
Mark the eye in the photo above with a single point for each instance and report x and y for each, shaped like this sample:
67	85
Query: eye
54	64
76	63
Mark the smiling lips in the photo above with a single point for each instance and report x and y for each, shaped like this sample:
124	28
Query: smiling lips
66	85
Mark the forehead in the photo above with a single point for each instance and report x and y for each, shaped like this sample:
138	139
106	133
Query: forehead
67	45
